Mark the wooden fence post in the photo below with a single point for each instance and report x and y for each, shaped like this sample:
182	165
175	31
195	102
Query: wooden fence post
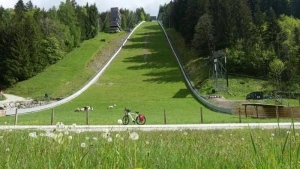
52	117
201	115
165	117
240	119
16	117
87	117
277	115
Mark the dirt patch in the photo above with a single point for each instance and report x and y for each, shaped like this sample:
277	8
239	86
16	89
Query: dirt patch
103	56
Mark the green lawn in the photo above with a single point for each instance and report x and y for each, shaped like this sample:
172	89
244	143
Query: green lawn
151	87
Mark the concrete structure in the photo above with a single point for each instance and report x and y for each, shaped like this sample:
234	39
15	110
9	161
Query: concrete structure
115	20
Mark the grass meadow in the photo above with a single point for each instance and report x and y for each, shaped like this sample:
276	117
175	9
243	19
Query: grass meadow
68	147
144	77
69	74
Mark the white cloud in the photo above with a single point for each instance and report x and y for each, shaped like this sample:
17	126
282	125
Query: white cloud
150	6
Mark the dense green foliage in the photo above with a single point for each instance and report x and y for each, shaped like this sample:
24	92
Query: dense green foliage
70	147
253	33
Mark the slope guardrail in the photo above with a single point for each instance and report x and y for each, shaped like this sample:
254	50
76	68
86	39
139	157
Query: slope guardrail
189	83
74	95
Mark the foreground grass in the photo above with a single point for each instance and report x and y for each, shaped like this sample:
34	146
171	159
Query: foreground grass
68	147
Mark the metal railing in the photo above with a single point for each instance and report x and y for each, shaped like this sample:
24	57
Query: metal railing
189	82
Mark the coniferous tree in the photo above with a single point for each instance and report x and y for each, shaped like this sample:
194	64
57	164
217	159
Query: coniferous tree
66	14
203	37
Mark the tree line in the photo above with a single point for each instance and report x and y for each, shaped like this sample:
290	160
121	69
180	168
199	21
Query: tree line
260	37
33	38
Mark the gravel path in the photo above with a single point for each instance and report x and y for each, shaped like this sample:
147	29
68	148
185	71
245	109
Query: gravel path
168	127
13	98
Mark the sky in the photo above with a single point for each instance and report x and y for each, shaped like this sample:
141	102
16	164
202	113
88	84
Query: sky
150	6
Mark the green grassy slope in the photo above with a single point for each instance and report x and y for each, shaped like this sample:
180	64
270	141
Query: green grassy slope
149	87
66	76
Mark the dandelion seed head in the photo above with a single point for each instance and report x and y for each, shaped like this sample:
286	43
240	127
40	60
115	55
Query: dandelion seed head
95	138
104	135
7	149
119	121
33	135
70	137
66	132
82	145
134	136
118	136
272	134
109	139
185	133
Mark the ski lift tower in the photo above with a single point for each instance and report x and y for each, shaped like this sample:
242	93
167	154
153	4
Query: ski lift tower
219	70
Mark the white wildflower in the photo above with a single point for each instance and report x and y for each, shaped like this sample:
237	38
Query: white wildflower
134	136
117	135
82	145
272	134
95	138
288	132
66	132
185	133
7	149
70	137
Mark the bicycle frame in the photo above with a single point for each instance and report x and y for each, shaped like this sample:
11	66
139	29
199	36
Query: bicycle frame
139	118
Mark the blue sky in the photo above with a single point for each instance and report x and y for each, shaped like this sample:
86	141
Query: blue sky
150	6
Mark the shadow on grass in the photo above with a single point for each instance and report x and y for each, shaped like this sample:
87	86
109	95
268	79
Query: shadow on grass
162	66
182	93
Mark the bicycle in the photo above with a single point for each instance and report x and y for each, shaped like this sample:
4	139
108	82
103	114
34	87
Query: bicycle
139	118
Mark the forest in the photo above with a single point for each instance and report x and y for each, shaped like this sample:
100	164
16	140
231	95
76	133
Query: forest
261	38
32	38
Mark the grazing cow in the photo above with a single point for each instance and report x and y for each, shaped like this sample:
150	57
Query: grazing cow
84	108
110	107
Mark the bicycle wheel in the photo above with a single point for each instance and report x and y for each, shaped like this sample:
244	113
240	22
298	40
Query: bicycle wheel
141	119
125	120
